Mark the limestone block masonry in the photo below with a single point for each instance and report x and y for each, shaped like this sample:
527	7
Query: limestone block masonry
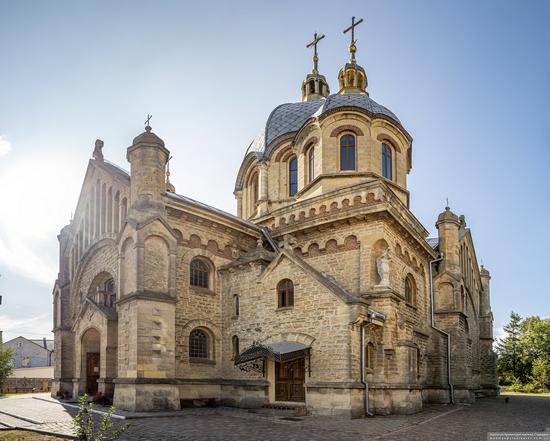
324	291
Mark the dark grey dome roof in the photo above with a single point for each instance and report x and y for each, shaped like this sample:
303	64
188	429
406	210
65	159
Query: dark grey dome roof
290	117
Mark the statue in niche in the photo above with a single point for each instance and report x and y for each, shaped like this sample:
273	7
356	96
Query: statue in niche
383	268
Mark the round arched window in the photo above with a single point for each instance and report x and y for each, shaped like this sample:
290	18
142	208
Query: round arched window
285	293
199	273
198	344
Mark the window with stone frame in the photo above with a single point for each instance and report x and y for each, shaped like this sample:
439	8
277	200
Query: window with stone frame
199	274
236	305
198	344
285	293
293	176
386	161
311	163
236	349
347	152
410	289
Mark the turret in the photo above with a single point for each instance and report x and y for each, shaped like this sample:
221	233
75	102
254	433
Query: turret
352	77
315	86
448	226
148	157
485	304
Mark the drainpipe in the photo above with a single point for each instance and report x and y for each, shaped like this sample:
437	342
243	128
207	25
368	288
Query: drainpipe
363	366
432	307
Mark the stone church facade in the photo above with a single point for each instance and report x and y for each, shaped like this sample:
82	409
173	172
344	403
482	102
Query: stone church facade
324	291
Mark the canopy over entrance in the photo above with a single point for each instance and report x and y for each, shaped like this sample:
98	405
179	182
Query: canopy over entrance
281	352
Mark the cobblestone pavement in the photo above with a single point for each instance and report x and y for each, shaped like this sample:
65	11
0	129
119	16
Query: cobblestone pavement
460	423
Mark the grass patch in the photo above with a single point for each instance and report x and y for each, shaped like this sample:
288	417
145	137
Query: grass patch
23	435
538	394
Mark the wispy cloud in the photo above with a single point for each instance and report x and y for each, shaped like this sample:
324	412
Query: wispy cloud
32	327
5	145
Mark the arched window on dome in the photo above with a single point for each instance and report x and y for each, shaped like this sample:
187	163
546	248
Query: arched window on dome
347	152
312	86
386	161
292	176
255	192
311	163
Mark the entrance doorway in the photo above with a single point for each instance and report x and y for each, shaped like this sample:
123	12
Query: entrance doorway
289	380
92	372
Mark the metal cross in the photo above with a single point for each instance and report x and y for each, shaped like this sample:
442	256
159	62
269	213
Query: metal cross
316	39
148	119
352	28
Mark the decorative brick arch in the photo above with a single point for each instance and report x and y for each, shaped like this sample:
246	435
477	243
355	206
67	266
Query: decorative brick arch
204	324
297	337
346	128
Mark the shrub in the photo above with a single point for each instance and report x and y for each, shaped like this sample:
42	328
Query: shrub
85	428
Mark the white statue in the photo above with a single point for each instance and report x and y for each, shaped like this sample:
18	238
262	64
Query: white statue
383	268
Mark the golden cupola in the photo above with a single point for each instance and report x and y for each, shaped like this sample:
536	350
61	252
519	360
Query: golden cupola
315	86
352	77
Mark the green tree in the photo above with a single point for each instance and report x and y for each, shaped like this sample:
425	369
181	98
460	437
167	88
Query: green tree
6	363
535	337
510	352
541	371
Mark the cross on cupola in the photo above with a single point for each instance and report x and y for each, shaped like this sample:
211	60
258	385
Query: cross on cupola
352	46
352	77
147	126
315	86
316	40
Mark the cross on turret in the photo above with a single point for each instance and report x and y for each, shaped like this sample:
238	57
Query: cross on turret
147	126
352	47
316	39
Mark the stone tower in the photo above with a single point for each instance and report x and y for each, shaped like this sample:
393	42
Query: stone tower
146	306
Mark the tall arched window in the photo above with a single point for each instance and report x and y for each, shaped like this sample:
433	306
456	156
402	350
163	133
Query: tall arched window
410	289
198	274
292	176
311	163
198	344
236	349
255	189
347	152
236	305
285	293
386	161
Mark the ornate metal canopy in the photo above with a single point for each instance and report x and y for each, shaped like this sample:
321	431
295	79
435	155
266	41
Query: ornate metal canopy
281	352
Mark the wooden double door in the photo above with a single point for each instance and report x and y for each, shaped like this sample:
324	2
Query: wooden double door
289	381
92	372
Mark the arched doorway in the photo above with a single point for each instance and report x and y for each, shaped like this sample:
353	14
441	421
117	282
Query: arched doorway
91	360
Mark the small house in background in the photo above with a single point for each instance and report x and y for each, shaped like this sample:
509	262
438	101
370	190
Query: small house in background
29	353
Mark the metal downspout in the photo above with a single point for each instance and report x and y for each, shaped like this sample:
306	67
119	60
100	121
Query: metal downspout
363	366
432	307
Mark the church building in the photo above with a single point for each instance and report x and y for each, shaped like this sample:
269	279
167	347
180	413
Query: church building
323	292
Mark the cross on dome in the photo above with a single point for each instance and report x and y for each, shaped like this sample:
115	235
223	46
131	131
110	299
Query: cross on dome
352	47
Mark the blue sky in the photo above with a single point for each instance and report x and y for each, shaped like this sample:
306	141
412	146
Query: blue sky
469	80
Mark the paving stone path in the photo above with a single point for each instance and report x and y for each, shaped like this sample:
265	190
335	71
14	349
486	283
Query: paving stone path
460	423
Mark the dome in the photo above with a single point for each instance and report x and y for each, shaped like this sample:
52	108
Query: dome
289	118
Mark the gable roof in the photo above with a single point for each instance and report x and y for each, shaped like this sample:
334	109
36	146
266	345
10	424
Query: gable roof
325	279
39	342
